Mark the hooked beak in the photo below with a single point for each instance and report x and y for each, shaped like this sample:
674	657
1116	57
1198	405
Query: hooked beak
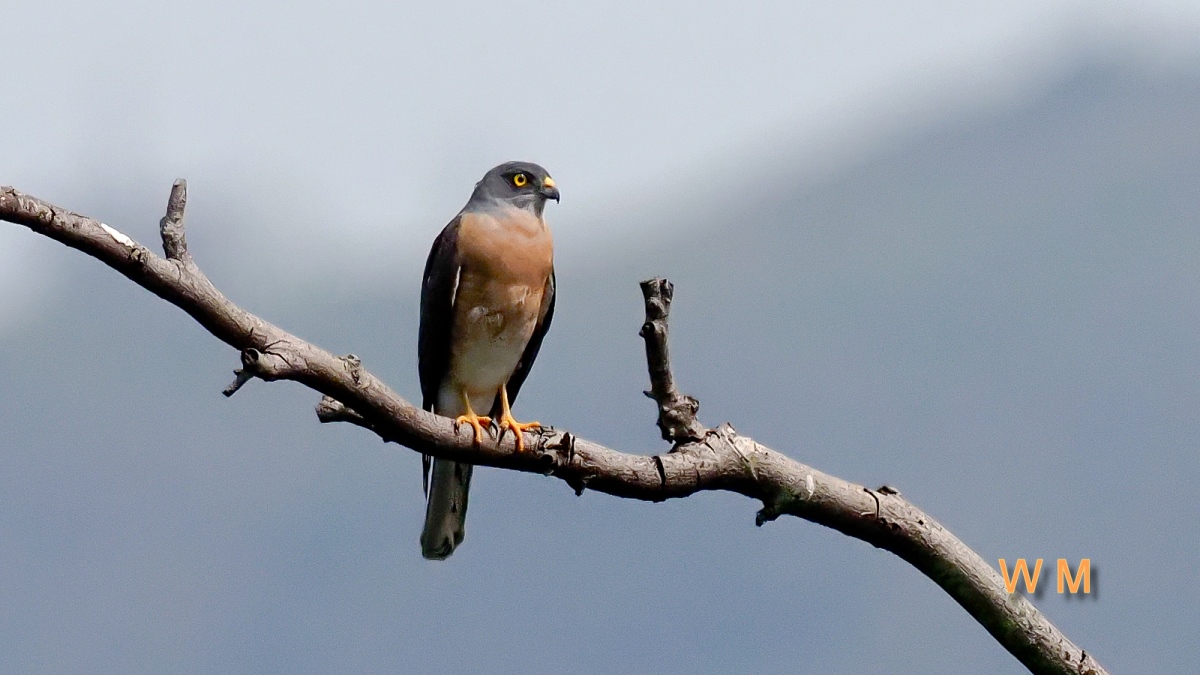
548	190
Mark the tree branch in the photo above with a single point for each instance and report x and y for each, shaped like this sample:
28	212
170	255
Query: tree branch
701	459
676	412
171	226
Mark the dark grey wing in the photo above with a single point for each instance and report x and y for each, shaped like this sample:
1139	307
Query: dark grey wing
545	316
438	287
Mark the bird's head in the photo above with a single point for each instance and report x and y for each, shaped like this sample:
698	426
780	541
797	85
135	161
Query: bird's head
524	185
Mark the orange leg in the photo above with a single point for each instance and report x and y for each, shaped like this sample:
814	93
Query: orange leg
508	422
471	418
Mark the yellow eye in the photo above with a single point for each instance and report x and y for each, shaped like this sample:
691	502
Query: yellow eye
520	180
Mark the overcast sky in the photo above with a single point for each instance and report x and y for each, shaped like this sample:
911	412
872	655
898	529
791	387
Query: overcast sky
334	140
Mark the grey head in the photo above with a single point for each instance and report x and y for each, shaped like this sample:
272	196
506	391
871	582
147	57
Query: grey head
524	185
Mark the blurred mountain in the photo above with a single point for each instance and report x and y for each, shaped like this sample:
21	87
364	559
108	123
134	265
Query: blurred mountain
996	315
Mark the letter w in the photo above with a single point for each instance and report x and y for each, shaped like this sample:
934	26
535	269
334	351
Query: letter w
1022	568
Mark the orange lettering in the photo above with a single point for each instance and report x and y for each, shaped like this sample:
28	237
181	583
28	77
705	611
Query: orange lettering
1022	568
1084	574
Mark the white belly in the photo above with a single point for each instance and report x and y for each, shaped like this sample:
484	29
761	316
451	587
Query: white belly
507	259
484	358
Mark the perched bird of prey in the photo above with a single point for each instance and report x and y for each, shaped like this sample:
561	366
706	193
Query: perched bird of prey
486	303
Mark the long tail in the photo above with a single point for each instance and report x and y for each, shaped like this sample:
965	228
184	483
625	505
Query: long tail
446	509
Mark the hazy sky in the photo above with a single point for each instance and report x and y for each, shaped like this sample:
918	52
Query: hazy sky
324	137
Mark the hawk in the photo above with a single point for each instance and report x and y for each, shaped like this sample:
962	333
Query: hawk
487	299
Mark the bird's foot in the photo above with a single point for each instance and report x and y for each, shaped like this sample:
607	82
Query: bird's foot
518	429
475	421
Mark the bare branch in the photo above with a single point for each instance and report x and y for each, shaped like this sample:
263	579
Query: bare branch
676	412
171	226
249	369
717	459
329	410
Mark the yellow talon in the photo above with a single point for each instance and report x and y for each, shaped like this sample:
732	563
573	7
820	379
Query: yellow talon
474	420
507	421
518	429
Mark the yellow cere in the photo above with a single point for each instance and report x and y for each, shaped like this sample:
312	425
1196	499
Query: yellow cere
549	182
519	180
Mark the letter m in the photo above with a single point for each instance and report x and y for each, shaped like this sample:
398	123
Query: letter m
1021	568
1084	574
